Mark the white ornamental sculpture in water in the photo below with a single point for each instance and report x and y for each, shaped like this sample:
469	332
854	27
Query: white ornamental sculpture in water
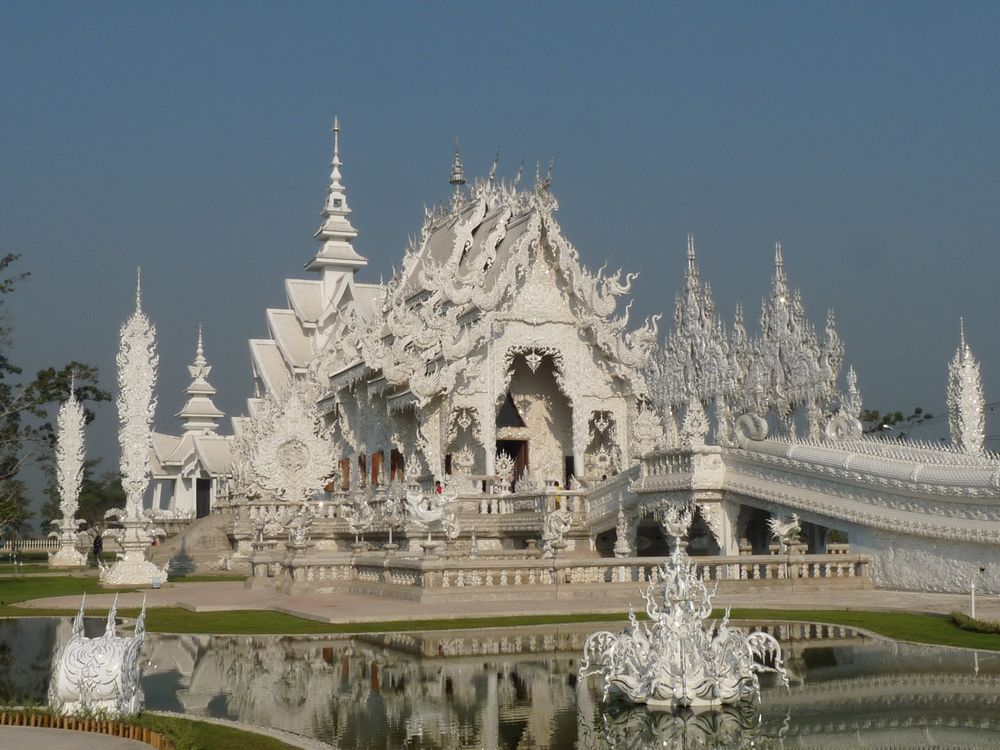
680	659
69	474
98	675
136	363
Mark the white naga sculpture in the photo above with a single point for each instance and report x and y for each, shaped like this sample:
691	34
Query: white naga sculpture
681	660
136	363
785	531
69	473
98	675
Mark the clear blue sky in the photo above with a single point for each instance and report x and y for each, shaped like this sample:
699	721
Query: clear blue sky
193	139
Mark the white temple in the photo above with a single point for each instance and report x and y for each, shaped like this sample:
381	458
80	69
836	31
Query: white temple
495	368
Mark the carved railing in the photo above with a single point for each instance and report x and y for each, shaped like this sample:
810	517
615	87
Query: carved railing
602	500
499	573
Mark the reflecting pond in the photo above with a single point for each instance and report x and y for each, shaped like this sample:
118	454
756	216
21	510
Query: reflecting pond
507	690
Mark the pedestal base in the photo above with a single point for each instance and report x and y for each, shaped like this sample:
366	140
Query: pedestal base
133	570
67	556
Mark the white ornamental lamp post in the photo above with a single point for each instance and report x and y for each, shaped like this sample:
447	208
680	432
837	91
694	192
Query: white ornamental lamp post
136	363
69	474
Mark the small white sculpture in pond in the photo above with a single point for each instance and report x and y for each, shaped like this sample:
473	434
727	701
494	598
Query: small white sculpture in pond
681	660
785	531
98	675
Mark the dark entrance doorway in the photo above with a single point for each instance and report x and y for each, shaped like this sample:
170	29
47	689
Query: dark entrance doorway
203	497
518	450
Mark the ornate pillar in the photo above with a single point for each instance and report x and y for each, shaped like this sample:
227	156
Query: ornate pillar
581	434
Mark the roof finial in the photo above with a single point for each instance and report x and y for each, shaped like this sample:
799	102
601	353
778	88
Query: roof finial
548	175
336	139
138	288
457	173
199	352
961	334
517	177
779	261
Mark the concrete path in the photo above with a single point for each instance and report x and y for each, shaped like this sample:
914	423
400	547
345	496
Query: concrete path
352	608
35	738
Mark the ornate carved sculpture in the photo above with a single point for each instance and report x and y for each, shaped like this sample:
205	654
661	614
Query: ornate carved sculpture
69	473
675	520
786	368
284	453
554	528
966	419
136	362
681	660
846	424
98	675
504	469
432	512
622	547
785	531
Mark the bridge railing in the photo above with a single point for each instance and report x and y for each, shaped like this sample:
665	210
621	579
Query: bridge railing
522	576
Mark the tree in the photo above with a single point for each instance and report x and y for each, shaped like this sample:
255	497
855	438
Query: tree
877	422
26	433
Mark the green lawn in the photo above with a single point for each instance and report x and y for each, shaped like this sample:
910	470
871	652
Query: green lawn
903	626
7	569
188	734
921	628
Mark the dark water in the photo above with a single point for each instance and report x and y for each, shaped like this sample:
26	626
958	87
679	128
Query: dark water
503	690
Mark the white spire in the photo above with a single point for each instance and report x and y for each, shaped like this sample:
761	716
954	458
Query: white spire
336	232
199	413
966	404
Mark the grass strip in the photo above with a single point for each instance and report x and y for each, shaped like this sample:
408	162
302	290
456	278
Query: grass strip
941	630
191	734
937	630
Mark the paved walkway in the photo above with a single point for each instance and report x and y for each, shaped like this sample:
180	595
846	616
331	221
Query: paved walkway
35	738
353	608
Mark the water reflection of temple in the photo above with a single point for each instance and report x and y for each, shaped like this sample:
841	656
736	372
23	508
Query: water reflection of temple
518	690
438	691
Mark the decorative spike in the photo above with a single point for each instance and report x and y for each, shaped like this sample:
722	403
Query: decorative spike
493	169
78	620
517	177
110	628
138	288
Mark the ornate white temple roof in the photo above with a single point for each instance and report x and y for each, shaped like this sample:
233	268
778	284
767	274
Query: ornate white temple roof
200	414
288	332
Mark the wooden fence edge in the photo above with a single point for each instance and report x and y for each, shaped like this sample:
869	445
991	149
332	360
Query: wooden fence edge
98	726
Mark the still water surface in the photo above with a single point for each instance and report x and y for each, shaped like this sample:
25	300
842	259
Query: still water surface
507	690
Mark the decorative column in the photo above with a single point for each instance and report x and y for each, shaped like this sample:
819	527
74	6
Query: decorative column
136	363
69	474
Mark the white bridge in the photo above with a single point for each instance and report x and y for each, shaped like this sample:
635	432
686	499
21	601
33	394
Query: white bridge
928	517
